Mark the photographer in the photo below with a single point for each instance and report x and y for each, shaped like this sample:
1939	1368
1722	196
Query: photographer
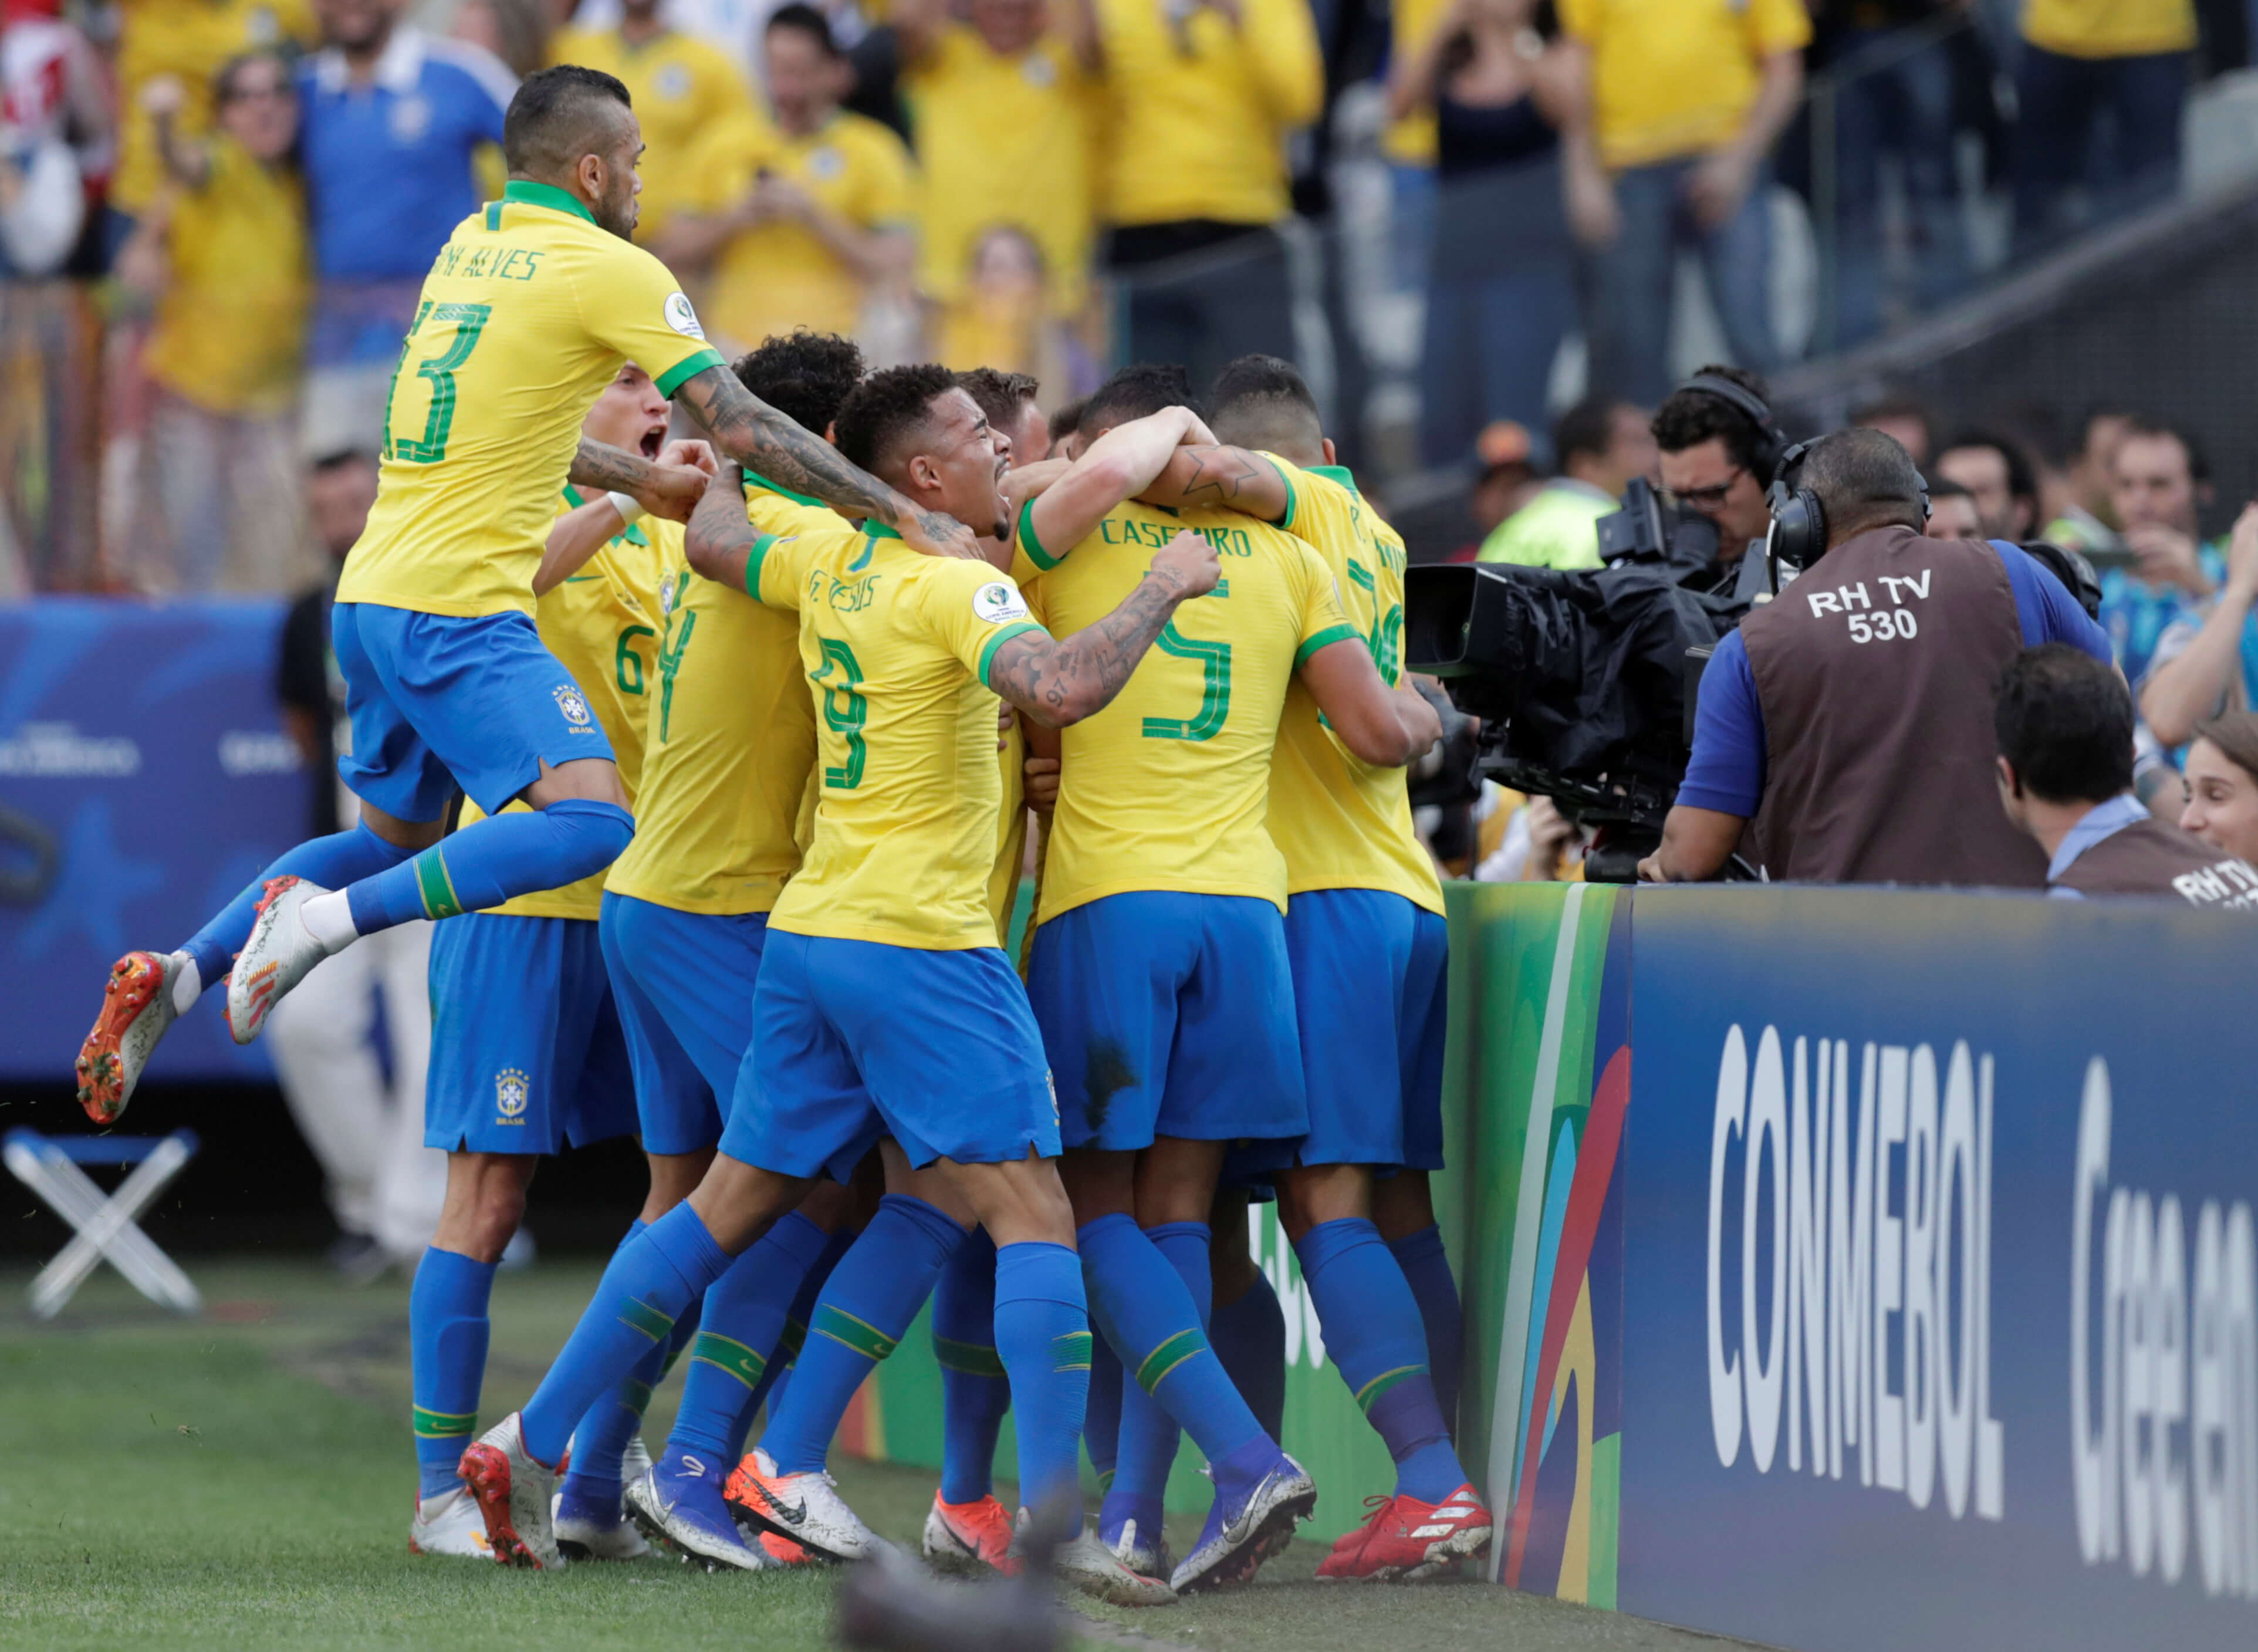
1848	719
1719	451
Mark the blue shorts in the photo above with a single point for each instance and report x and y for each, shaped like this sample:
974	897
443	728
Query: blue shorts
683	985
1372	996
856	1040
437	702
1169	1015
526	1049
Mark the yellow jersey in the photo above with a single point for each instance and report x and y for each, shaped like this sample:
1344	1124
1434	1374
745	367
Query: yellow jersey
231	321
2110	28
1198	116
526	316
898	646
731	738
1003	140
602	625
1676	77
1341	823
1012	830
779	275
1166	788
193	40
691	99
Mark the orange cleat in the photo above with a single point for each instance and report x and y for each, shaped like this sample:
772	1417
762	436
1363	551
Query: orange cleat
970	1537
137	1011
1406	1540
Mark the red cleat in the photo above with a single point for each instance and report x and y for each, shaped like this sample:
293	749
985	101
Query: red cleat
137	1010
1407	1539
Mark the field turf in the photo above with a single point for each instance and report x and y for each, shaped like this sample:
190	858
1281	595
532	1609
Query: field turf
244	1481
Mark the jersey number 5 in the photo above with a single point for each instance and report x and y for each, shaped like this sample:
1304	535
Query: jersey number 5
469	321
1215	688
844	710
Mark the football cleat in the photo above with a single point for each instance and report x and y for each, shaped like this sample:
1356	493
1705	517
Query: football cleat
275	959
449	1524
782	1550
678	1502
1235	1542
1406	1540
806	1507
1089	1566
593	1528
513	1491
137	1011
1146	1554
970	1538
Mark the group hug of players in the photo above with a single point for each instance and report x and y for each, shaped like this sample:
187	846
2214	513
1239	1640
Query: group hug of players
750	734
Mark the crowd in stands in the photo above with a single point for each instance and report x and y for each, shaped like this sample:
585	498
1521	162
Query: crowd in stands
1044	186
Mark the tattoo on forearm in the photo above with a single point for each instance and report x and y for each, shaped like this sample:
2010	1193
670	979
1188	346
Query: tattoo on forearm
754	434
610	469
1060	682
1219	475
719	531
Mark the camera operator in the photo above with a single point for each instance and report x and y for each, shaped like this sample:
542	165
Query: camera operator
1720	449
1850	719
2065	726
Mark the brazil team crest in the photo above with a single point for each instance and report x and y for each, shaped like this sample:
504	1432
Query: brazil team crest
513	1089
572	703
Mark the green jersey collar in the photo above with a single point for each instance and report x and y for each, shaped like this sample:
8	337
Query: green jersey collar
880	530
527	193
1335	472
754	479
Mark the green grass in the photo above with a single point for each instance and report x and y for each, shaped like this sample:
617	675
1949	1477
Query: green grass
245	1481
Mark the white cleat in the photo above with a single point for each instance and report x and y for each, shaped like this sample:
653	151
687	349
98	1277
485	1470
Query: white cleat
275	959
688	1516
449	1525
514	1491
583	1533
137	1011
1236	1542
1146	1556
1089	1566
806	1509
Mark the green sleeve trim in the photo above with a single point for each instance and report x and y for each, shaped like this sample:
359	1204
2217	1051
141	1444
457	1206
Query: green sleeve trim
1029	543
494	216
753	564
754	479
688	368
1325	638
988	654
1293	500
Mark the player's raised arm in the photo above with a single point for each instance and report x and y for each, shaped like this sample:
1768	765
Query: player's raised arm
1057	683
664	488
1112	469
1386	727
751	433
720	541
1225	478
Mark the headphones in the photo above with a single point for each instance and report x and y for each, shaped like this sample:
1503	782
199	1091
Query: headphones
1799	521
1768	453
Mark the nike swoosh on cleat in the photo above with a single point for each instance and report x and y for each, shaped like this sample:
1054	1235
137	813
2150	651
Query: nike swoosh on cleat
792	1514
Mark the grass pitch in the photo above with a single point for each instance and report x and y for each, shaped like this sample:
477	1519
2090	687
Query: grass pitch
244	1480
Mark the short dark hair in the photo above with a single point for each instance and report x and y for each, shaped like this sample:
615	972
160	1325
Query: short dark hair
1065	421
2064	720
552	120
1691	417
222	84
2198	461
1588	427
338	457
1895	407
1000	394
1271	383
889	411
2023	481
805	376
1864	479
809	21
1133	393
1945	488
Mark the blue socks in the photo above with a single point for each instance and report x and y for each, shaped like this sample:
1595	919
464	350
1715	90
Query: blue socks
1250	1339
1149	1435
1101	1427
781	1362
492	860
651	1283
975	1391
745	1312
1427	1270
332	862
1374	1337
601	1439
873	1294
1144	1300
1042	1339
447	1333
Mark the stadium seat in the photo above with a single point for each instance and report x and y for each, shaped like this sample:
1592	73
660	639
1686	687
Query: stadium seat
106	1223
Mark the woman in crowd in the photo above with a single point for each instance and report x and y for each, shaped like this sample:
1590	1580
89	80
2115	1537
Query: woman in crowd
2222	784
1516	170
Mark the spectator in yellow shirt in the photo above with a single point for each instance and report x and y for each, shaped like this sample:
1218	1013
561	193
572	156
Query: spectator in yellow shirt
1002	108
223	353
807	222
690	96
1688	97
189	41
2083	61
1201	97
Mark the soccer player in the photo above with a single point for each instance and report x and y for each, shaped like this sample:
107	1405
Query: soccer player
1367	943
1159	972
527	314
686	910
884	1002
526	1049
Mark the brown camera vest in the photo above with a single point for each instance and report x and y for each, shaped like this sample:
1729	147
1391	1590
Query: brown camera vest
1875	671
2149	858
